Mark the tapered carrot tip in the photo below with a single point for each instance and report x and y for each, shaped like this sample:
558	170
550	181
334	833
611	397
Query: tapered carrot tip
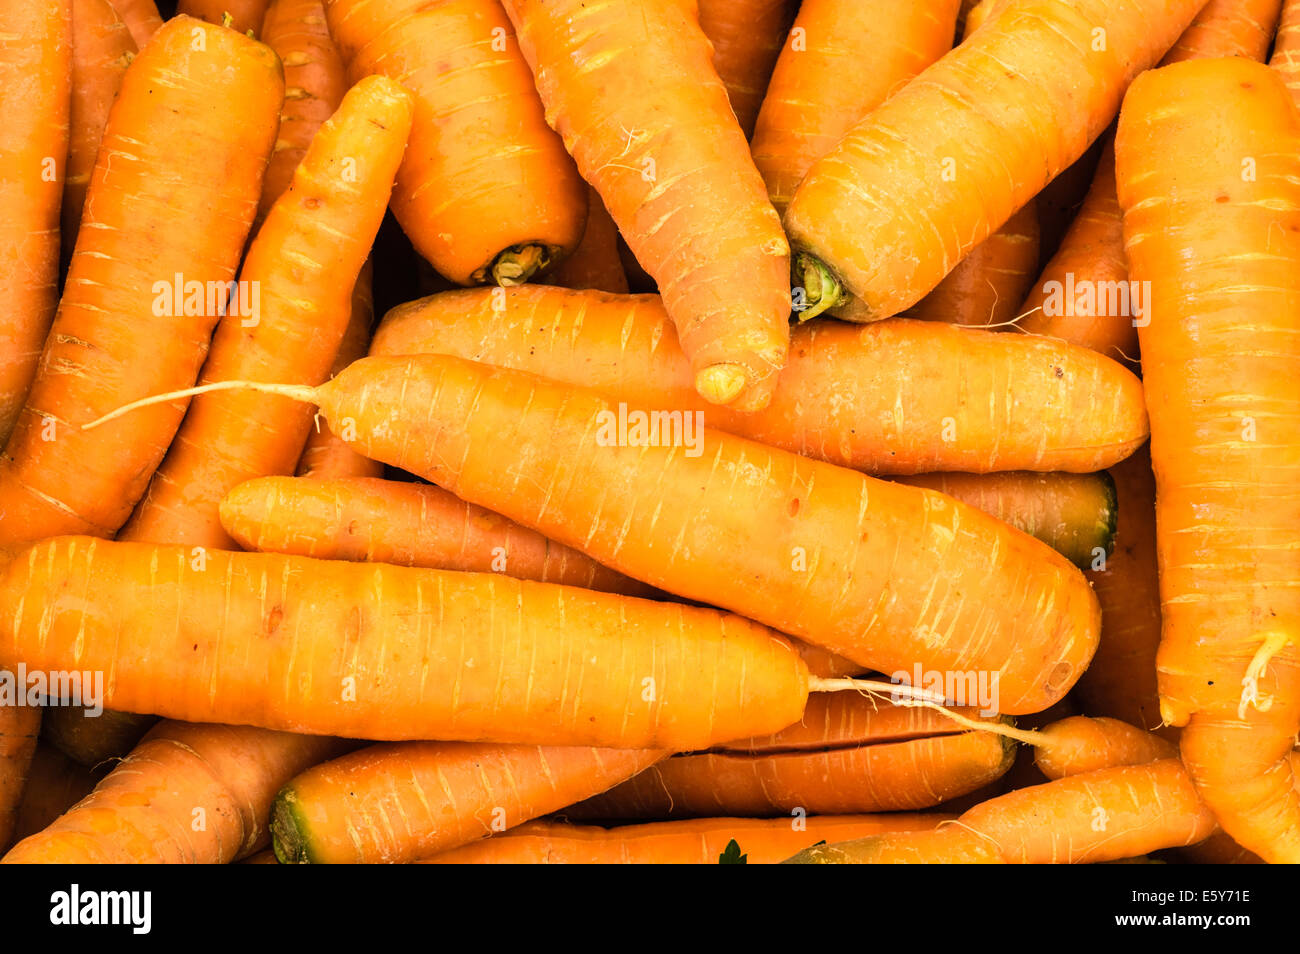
519	263
288	837
721	383
816	289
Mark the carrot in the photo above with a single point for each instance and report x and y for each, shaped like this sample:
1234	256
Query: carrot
1062	198
486	192
1222	254
172	194
1286	48
700	841
101	49
969	401
303	266
18	729
1121	681
848	755
314	80
404	801
826	664
1098	816
1074	514
595	263
1228	28
326	455
35	71
381	521
630	88
198	794
245	16
54	784
1082	744
93	740
141	19
823	84
926	174
326	647
946	844
747	36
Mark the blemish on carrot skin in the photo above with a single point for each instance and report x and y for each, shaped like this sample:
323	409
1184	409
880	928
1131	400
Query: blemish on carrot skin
273	620
794	507
1221	198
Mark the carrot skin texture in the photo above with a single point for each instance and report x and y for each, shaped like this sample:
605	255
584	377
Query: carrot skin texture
144	810
1055	93
246	15
141	19
19	726
1228	28
839	394
822	84
1286	48
631	90
595	263
35	81
1222	254
1083	744
947	844
396	803
715	676
483	173
382	521
107	345
747	36
698	841
54	784
436	416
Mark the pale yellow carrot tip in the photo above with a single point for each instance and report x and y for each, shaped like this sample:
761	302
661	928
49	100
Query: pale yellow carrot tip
905	695
819	287
297	392
721	383
517	264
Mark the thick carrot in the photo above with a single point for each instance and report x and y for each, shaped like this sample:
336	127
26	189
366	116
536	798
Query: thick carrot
946	844
965	400
404	801
1222	254
747	36
1121	680
630	88
926	174
595	263
19	726
486	192
393	653
246	16
848	755
54	784
141	19
101	49
1228	28
302	268
198	794
1286	48
35	77
314	84
823	84
93	740
382	521
1074	514
1082	744
700	841
170	202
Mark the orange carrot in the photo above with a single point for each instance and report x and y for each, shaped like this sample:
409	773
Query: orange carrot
826	664
198	794
746	37
700	841
141	19
409	800
381	521
848	755
823	84
245	16
630	88
926	174
54	784
93	740
1041	405
947	844
35	72
173	193
101	49
1222	255
301	270
1228	28
1286	49
595	263
1082	744
486	192
19	726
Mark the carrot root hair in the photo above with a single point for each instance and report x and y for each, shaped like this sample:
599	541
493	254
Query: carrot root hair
298	392
1273	643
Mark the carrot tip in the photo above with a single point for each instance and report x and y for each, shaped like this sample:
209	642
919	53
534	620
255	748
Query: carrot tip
815	288
721	383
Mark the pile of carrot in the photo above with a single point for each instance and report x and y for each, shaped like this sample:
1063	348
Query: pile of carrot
733	447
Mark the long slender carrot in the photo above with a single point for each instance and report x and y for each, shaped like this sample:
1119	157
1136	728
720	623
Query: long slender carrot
198	794
926	174
1074	514
93	740
1286	48
404	801
965	400
392	653
1228	28
245	16
747	36
35	77
595	263
486	192
1082	744
141	19
848	755
19	726
630	88
101	50
699	841
302	268
169	207
381	521
823	84
1222	254
54	784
